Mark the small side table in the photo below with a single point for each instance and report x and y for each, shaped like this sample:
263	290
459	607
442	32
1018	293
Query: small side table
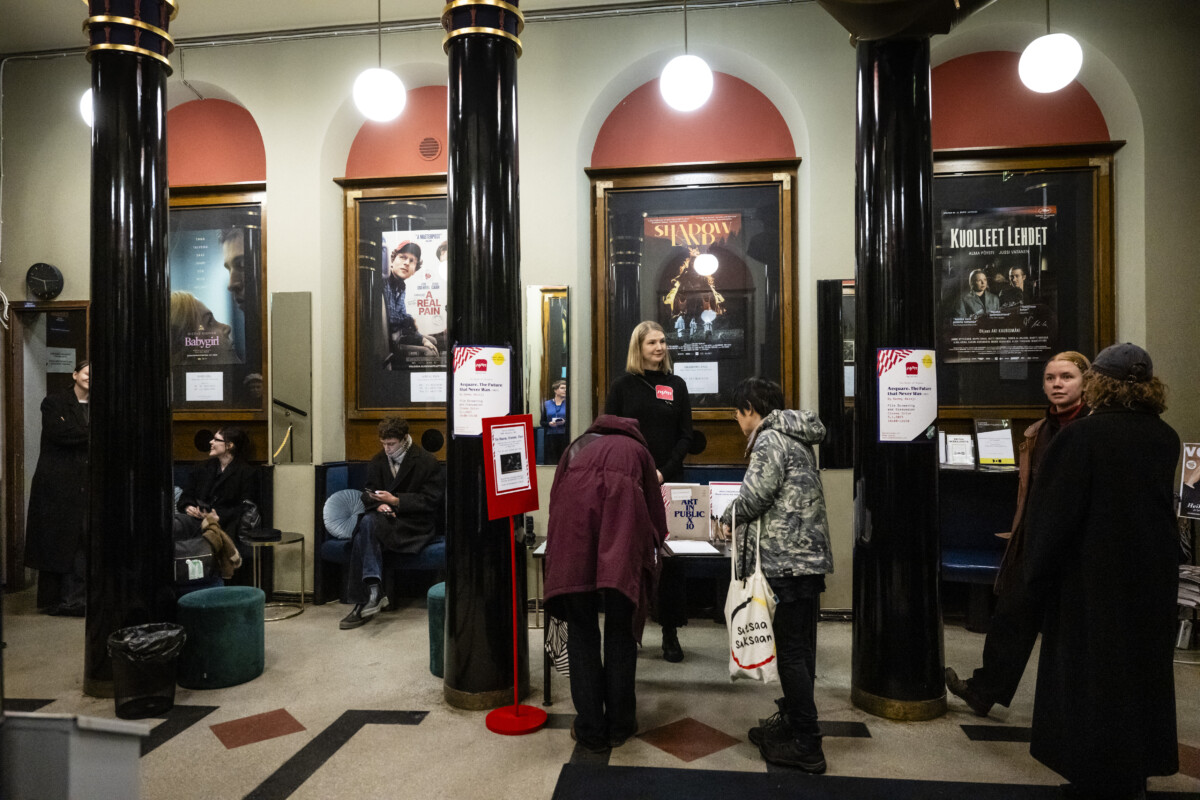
282	610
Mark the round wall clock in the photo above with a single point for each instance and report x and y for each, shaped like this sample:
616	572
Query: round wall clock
44	281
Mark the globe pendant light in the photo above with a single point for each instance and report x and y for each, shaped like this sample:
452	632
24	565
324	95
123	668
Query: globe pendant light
378	93
86	108
686	82
1050	62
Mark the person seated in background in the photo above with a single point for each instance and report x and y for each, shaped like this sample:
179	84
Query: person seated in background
221	484
403	495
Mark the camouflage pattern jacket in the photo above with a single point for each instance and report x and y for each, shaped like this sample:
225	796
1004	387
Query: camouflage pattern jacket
783	488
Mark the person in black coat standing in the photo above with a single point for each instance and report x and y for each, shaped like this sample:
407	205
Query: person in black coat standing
659	401
1103	551
58	500
403	496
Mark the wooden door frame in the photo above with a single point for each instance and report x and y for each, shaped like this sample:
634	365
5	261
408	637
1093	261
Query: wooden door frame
14	433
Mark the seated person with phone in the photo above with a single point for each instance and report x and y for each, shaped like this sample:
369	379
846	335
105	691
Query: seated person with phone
403	494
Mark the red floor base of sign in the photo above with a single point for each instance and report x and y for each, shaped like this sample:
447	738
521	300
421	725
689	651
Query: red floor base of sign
515	720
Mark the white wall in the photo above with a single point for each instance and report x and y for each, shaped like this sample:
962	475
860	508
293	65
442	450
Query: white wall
1140	64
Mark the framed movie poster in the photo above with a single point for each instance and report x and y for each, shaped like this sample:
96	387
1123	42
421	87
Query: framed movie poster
216	263
707	252
396	322
1023	257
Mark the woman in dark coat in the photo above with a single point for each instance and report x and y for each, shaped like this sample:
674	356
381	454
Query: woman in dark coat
58	501
659	401
1018	615
607	523
1103	551
220	483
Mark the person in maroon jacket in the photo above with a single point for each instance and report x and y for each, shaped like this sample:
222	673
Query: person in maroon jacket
607	523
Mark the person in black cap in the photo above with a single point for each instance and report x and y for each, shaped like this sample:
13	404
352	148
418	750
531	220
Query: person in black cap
1103	552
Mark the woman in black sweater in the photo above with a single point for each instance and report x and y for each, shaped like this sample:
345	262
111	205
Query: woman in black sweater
658	400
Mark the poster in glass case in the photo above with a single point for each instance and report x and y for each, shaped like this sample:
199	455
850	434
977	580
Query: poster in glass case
1023	261
707	253
217	303
396	297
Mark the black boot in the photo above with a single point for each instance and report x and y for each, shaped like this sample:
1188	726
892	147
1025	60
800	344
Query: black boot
671	650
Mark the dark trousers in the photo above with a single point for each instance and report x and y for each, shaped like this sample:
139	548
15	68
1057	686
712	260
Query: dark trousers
602	690
1009	642
797	602
63	589
366	557
671	611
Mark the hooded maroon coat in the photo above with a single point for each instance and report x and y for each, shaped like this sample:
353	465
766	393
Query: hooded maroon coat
607	519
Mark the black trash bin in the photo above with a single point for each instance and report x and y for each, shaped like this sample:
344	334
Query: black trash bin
144	659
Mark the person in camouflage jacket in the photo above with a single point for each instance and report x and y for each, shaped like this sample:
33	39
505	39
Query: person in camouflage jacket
782	502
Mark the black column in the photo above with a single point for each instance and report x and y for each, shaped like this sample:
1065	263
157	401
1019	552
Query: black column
484	307
129	543
897	650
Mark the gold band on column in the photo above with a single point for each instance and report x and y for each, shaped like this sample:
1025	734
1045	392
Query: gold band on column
509	7
128	48
172	3
109	19
903	710
492	31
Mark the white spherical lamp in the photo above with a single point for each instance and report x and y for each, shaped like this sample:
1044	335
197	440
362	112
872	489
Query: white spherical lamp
85	108
686	83
705	264
379	94
1050	62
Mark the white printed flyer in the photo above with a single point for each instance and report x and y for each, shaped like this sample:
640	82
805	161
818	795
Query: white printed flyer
907	394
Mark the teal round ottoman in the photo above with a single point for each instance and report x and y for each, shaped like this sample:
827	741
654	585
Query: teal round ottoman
224	637
435	601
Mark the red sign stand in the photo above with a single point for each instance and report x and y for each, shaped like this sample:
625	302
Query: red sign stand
511	482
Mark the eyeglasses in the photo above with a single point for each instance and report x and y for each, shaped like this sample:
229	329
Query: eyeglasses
220	441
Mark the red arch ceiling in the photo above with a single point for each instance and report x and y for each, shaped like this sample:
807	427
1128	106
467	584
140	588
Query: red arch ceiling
213	142
979	101
738	123
389	149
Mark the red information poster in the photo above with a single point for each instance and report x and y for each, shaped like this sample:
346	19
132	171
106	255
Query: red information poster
510	478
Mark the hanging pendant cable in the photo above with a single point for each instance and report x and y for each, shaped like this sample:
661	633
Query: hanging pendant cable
379	26
685	42
1047	17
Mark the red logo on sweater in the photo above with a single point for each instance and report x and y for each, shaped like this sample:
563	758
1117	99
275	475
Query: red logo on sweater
664	393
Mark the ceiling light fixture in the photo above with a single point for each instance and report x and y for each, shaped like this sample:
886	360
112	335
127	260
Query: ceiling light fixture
86	109
1050	62
686	82
378	93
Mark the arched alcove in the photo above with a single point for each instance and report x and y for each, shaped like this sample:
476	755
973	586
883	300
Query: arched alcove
412	144
738	123
979	101
213	142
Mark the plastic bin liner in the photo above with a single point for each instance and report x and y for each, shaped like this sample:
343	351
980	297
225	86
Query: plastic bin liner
144	662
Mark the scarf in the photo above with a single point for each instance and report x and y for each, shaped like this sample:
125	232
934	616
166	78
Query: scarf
397	458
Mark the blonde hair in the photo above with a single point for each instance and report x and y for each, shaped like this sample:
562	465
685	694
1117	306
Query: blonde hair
1078	359
634	363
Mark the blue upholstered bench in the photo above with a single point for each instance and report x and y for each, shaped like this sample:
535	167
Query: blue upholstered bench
333	554
972	508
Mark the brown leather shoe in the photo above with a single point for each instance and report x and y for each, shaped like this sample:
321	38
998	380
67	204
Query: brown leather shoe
962	689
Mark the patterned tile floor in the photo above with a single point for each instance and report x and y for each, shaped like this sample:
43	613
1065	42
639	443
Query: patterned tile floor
356	714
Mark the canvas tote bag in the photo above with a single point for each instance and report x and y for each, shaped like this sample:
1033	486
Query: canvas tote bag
749	607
